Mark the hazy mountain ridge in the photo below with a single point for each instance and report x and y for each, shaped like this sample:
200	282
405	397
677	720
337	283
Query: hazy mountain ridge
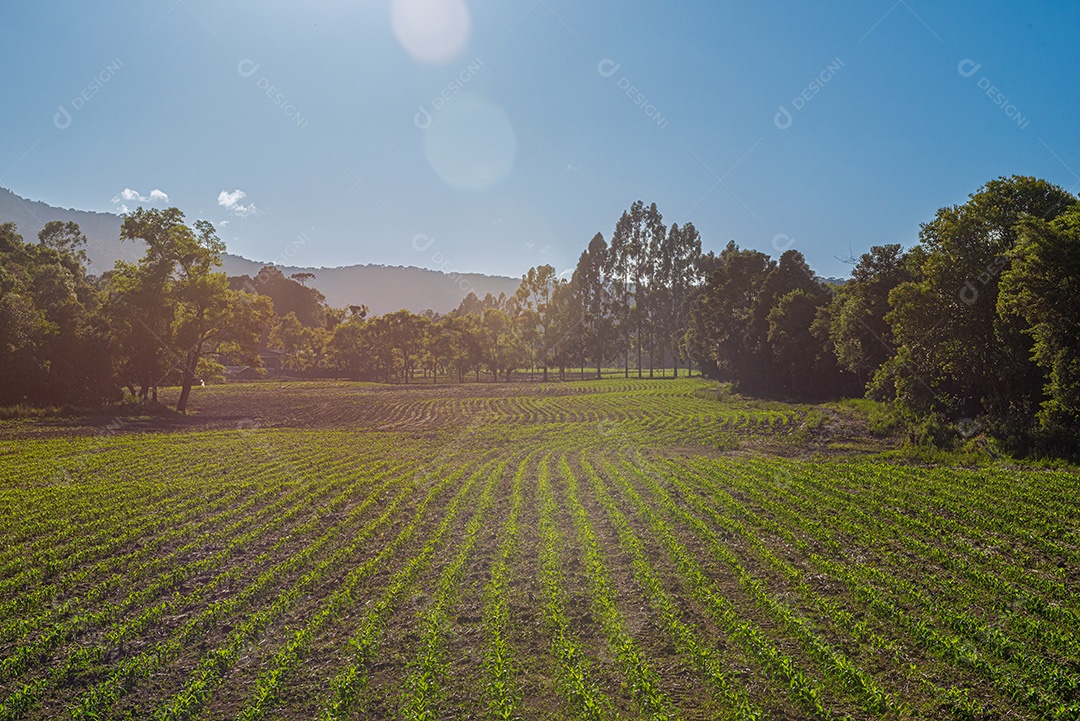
381	288
386	288
102	230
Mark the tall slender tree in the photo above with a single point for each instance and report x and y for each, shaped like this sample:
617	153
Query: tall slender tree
532	309
598	299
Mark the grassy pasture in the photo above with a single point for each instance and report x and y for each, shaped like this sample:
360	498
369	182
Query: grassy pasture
597	549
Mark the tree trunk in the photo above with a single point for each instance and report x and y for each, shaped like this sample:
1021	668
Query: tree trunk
189	378
652	353
663	365
626	353
639	354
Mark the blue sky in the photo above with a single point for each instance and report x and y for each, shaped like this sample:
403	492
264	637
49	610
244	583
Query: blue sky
494	135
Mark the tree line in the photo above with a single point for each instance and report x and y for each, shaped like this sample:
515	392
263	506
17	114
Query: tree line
972	324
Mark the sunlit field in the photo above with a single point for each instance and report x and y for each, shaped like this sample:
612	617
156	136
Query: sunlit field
596	549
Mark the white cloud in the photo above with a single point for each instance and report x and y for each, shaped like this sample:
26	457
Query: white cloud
132	195
231	202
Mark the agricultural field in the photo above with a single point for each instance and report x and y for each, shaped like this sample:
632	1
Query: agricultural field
614	549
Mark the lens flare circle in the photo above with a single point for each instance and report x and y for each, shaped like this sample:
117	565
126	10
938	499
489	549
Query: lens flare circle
433	32
471	144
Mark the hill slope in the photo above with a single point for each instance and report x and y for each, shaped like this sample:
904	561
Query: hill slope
102	230
386	288
382	288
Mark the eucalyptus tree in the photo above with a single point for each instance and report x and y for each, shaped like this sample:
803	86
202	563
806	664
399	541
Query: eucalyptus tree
566	344
619	268
532	309
678	271
598	300
638	235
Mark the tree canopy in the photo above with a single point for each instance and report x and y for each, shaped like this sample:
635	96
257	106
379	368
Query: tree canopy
972	324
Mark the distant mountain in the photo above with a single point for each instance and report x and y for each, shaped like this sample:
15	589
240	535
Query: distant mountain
386	288
382	289
102	230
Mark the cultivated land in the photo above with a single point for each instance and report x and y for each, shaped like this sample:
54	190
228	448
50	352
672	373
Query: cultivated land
611	549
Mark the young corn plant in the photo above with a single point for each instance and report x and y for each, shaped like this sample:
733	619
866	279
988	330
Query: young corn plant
349	685
642	678
502	693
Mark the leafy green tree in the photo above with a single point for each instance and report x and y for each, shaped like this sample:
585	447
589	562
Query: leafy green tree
469	344
790	273
54	346
862	338
380	339
565	336
287	294
64	237
348	350
956	355
801	353
743	329
472	304
1041	288
503	350
185	308
140	309
532	311
140	318
406	332
295	341
439	345
726	319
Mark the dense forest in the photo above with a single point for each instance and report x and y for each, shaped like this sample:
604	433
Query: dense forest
974	324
